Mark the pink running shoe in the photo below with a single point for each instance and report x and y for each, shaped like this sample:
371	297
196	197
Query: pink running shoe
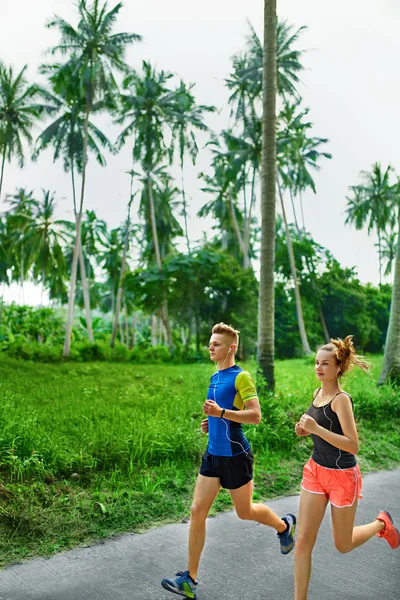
390	533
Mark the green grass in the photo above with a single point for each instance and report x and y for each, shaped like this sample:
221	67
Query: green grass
91	450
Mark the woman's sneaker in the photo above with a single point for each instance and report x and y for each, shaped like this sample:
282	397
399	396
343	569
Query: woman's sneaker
390	533
286	538
182	585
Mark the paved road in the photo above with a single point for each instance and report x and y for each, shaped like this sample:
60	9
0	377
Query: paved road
241	561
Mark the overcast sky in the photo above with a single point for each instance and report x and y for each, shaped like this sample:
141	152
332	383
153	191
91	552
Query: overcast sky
351	84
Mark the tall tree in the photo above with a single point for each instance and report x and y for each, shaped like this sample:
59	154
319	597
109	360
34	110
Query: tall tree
391	359
66	136
148	109
188	117
95	54
18	220
45	237
123	264
19	112
372	204
288	62
268	198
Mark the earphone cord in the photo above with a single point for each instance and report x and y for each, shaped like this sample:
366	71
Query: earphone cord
330	429
225	420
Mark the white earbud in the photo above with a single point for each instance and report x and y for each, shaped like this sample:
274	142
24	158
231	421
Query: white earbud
230	350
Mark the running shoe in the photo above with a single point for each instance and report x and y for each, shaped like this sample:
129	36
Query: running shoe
183	585
286	538
390	533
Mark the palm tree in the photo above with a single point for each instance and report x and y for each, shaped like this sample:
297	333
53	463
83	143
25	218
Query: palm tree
188	117
95	53
111	261
246	149
123	264
66	136
391	359
288	62
18	219
268	195
388	250
372	204
297	152
168	228
18	114
45	237
223	185
149	108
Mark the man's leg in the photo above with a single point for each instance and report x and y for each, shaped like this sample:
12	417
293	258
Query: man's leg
205	492
245	508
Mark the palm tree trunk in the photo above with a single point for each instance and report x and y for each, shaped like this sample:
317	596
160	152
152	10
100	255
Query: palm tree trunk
294	213
82	269
153	329
126	325
266	315
237	229
302	211
74	268
2	168
164	305
122	272
86	294
327	337
380	255
391	359
185	209
248	222
21	276
299	308
134	325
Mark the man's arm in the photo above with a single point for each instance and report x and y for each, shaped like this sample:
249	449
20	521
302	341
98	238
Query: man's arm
250	415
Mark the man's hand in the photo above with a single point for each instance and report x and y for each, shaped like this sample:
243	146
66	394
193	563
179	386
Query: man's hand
300	431
211	408
204	425
308	423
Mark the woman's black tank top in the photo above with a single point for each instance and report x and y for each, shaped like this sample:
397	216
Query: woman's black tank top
324	454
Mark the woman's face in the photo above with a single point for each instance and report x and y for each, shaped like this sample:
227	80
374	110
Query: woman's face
326	366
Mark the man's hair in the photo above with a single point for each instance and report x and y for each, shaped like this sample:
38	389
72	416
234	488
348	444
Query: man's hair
229	331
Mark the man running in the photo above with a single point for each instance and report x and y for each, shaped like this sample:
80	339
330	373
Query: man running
228	461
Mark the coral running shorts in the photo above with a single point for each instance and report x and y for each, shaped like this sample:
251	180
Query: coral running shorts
341	486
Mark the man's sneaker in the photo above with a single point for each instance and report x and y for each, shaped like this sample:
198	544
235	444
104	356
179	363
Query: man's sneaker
182	585
286	538
390	533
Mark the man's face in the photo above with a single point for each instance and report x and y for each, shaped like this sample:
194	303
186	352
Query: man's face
219	347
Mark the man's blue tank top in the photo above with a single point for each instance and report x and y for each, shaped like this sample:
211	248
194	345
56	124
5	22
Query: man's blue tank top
230	389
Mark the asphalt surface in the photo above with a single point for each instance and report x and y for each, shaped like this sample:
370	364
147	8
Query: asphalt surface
241	561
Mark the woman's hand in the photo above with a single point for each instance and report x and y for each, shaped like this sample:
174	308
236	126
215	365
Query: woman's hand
308	424
204	425
300	431
211	408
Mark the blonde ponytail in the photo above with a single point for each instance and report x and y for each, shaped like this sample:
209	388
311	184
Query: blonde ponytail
346	356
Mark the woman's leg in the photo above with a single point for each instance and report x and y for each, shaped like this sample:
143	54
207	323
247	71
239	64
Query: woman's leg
245	508
345	535
205	492
311	513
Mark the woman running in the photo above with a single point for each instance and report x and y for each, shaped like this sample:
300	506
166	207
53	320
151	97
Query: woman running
332	473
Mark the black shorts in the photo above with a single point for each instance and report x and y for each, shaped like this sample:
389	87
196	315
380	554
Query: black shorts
232	471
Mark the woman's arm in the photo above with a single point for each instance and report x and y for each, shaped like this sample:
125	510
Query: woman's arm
344	410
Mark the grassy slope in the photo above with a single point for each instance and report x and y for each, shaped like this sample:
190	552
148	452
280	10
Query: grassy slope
90	450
